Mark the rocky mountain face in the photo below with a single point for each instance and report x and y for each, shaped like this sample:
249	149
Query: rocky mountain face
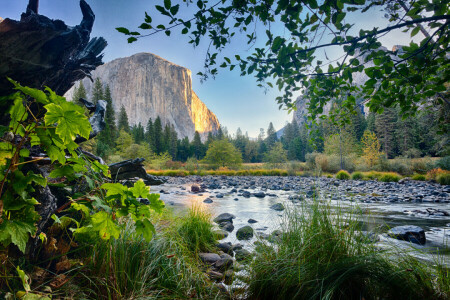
149	86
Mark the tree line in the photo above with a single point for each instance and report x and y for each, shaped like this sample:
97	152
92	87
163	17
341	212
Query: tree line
412	137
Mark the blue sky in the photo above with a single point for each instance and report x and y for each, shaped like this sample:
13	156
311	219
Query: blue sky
236	100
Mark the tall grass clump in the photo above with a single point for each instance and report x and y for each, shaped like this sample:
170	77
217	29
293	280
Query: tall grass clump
196	230
357	176
390	177
318	258
443	179
131	268
419	177
343	175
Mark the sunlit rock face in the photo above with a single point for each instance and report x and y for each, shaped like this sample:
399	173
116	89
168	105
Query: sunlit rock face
149	86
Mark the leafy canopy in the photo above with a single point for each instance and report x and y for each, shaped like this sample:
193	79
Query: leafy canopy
297	34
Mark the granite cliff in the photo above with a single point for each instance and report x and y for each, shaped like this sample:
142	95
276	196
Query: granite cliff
149	86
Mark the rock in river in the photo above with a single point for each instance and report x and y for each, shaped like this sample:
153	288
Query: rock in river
278	207
413	234
225	217
244	233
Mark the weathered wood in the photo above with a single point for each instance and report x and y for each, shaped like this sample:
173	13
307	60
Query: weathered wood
132	168
38	51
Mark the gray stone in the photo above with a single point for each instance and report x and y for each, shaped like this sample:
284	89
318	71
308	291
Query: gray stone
209	258
252	221
225	217
278	207
244	233
224	263
411	233
226	247
259	194
228	226
207	200
214	275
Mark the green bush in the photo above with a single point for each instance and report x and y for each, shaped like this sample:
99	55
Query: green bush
357	176
343	175
389	177
401	166
444	163
443	179
419	177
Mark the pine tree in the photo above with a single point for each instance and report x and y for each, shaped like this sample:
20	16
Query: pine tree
97	91
123	120
79	92
209	139
385	129
110	117
138	134
197	146
150	134
219	134
173	146
158	134
166	138
271	136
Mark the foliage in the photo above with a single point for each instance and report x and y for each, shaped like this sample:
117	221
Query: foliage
197	231
357	176
419	177
222	153
340	143
444	163
291	58
390	177
434	173
123	123
276	155
133	268
371	148
343	175
315	257
53	127
443	179
121	201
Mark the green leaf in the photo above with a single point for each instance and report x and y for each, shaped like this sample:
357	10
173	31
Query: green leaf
123	30
16	232
71	122
276	44
106	227
64	171
174	9
131	39
39	95
140	190
167	4
81	207
24	279
146	228
148	19
114	189
155	203
56	154
415	31
18	114
145	26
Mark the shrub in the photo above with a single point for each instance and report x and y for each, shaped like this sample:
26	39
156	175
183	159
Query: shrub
311	160
443	179
173	165
343	175
390	177
357	176
434	173
401	166
419	177
444	163
191	164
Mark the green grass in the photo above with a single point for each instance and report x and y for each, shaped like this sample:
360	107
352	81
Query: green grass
357	176
196	230
316	258
443	179
388	177
165	268
419	177
342	175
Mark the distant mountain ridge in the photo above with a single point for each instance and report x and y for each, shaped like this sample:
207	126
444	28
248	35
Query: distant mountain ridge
149	86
